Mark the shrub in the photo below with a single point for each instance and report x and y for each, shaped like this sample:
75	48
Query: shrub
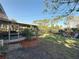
3	50
74	29
28	33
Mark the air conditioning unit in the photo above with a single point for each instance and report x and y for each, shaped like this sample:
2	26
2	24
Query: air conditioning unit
1	43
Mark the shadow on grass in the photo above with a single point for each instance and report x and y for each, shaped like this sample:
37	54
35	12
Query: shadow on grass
67	41
61	47
50	47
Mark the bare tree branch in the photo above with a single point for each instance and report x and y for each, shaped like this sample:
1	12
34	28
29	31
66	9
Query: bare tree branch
54	6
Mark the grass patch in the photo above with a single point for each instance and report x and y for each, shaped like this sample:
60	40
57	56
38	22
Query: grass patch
61	46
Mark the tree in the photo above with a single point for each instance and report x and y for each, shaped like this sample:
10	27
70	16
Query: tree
43	22
61	7
42	25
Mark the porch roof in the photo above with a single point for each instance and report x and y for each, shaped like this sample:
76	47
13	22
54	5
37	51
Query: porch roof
5	20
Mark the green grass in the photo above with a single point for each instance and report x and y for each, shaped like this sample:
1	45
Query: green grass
62	40
61	46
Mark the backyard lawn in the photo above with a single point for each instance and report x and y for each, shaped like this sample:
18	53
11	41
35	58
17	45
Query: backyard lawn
49	47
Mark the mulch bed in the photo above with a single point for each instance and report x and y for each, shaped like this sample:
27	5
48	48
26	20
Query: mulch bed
29	43
2	57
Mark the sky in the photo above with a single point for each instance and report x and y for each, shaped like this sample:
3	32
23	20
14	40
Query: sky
24	11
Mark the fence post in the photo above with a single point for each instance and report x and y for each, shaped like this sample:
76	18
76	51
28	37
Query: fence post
9	32
18	31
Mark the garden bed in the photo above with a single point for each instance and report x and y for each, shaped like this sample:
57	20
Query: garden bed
29	43
2	57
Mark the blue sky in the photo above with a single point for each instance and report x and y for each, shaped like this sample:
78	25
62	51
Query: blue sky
25	11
